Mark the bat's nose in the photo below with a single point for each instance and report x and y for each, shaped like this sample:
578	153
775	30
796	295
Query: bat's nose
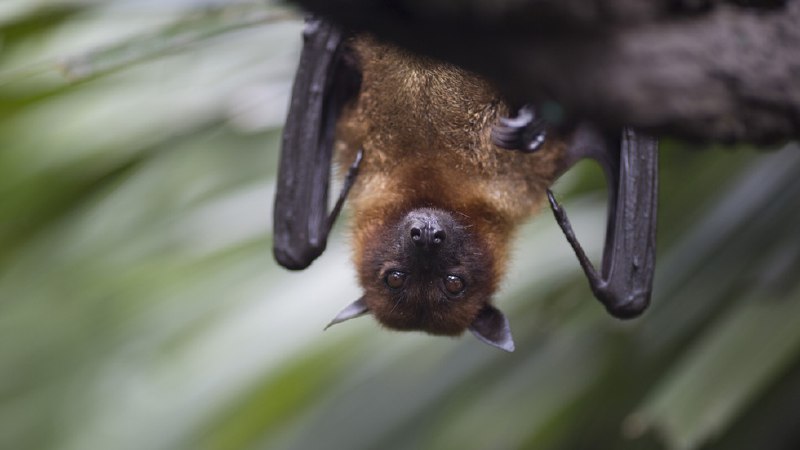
427	235
428	230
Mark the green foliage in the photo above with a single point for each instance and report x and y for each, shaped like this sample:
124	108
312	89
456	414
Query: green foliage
140	306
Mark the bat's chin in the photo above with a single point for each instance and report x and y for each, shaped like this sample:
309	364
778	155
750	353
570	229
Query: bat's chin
424	307
426	322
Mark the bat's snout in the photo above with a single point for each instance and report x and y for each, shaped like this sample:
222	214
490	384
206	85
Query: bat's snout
426	236
426	229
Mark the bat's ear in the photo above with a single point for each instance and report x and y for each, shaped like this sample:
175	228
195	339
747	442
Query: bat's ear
491	327
351	311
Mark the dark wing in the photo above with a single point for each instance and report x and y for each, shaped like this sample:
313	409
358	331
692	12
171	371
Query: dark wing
325	80
631	166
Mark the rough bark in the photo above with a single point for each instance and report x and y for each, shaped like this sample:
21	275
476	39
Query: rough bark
696	69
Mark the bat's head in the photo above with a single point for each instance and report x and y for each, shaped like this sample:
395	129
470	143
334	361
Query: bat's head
428	271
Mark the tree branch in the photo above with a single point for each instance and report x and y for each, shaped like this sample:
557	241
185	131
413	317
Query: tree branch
697	69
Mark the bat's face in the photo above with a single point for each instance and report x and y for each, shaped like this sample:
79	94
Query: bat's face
426	272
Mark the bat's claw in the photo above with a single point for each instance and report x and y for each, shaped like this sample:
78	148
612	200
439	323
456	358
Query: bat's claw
524	132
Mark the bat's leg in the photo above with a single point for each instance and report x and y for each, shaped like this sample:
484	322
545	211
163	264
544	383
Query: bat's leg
524	132
349	179
625	284
561	219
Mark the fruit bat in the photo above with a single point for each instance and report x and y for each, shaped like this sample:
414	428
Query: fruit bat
440	170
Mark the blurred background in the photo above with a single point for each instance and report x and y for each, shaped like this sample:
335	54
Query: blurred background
140	307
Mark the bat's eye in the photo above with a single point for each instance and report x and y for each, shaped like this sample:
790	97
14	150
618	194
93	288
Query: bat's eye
453	284
395	279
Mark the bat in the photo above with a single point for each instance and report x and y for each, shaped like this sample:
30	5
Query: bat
439	171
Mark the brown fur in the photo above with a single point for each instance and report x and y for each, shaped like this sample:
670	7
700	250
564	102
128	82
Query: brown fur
425	129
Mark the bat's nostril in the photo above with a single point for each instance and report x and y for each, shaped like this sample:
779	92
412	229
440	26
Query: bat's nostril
416	235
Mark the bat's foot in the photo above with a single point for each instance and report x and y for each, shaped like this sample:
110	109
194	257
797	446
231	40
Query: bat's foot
524	132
